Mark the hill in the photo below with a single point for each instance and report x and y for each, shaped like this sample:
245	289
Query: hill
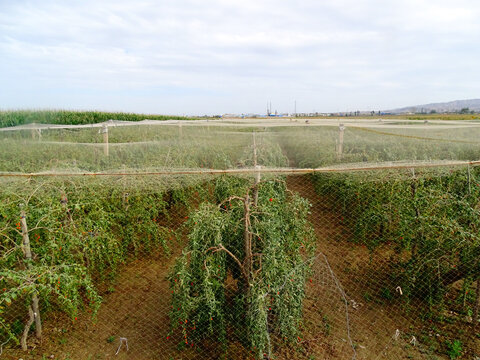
451	106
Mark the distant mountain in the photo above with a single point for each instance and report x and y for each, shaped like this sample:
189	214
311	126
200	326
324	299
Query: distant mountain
451	106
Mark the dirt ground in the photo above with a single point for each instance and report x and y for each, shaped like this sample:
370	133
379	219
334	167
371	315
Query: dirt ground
136	308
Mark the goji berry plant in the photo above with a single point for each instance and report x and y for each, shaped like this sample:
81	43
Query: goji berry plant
431	220
79	234
432	217
251	250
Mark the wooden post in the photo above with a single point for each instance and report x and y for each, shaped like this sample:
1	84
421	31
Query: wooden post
180	131
248	242
34	308
254	150
257	181
341	131
104	131
257	173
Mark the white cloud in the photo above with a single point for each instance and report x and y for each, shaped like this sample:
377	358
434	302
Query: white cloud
228	56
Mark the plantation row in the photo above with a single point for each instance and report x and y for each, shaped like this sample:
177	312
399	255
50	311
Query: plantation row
79	234
428	222
166	150
153	148
432	221
316	147
260	237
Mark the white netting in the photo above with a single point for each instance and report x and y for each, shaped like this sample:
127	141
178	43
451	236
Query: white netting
254	238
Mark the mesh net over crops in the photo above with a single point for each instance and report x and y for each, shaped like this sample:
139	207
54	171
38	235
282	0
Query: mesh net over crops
240	239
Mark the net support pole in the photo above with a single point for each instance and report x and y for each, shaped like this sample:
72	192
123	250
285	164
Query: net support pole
254	150
257	173
34	308
104	131
341	131
257	181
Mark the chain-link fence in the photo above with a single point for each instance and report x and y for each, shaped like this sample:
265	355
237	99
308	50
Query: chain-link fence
206	242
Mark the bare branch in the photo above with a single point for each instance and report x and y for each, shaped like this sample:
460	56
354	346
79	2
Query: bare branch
233	197
220	247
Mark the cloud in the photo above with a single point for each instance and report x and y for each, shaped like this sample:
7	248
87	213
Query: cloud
227	56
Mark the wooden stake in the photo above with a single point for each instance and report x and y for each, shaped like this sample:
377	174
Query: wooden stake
104	131
257	174
254	150
257	181
34	308
341	131
248	242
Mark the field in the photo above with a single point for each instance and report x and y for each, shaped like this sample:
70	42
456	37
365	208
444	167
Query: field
175	240
20	117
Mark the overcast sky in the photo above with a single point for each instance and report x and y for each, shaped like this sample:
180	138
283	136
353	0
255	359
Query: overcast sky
218	56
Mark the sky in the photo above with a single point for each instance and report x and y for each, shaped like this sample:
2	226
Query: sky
198	57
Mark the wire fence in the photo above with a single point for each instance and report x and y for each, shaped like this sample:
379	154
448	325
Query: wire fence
366	260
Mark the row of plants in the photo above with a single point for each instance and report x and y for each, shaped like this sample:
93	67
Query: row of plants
188	151
432	215
19	117
241	277
431	221
63	242
318	146
116	134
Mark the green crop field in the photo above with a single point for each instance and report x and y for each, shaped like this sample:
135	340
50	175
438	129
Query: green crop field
20	117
